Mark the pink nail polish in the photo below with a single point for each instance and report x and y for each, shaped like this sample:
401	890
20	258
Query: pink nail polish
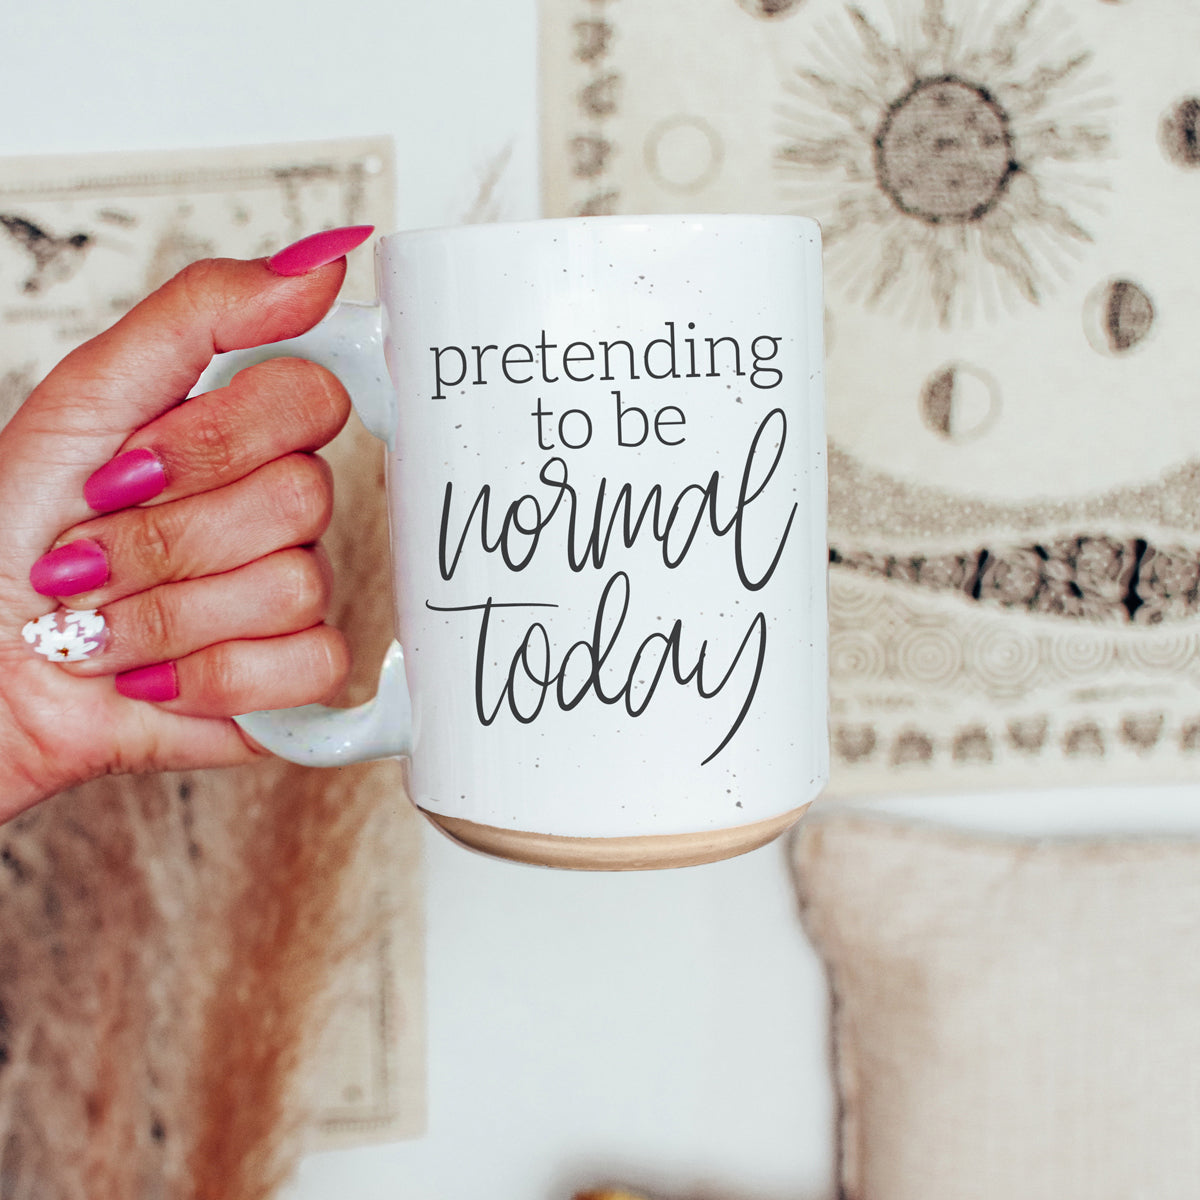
318	249
156	683
70	570
129	479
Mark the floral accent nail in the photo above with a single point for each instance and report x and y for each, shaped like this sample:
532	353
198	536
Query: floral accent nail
68	635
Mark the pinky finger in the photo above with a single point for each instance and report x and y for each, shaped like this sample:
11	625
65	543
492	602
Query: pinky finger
245	676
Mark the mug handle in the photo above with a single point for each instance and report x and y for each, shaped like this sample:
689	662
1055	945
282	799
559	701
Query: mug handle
349	342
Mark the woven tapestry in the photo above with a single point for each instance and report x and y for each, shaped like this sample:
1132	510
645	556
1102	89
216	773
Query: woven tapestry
1010	200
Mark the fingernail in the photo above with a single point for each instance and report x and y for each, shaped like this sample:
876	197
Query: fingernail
70	570
317	249
68	635
156	683
129	479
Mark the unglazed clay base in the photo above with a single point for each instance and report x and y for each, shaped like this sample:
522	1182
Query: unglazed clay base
618	853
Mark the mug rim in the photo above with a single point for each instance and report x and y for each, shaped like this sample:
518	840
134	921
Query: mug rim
610	220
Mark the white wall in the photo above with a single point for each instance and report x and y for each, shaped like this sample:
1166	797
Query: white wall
453	83
667	1028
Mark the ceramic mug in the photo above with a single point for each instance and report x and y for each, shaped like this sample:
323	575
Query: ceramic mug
607	492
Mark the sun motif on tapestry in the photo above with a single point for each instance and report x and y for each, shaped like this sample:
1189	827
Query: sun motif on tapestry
956	164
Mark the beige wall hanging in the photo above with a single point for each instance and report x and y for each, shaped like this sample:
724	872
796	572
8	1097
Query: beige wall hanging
1008	196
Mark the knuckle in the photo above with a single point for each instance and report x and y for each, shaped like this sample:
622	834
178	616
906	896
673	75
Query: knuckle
153	542
312	396
302	497
292	669
217	674
330	400
199	279
332	661
209	445
156	618
306	585
273	374
203	285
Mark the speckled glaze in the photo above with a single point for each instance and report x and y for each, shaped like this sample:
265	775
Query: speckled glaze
607	492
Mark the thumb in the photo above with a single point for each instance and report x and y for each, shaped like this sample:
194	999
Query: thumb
78	417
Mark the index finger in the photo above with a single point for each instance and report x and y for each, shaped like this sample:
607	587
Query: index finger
80	415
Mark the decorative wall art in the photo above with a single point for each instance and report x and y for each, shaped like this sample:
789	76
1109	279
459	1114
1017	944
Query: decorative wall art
1008	196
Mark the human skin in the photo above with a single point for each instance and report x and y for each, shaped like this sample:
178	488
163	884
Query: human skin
207	570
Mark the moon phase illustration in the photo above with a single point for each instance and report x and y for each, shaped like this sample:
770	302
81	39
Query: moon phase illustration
1118	316
959	402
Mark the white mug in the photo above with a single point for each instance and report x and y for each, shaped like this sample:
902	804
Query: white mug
607	490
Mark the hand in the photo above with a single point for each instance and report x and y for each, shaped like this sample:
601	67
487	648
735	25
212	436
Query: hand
210	587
